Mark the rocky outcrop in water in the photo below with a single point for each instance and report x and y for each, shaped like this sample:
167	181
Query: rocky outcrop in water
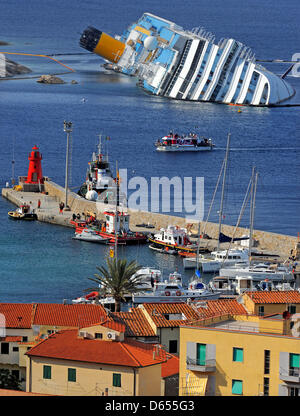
50	79
10	68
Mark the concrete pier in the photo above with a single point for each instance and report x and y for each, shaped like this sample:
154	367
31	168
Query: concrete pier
49	212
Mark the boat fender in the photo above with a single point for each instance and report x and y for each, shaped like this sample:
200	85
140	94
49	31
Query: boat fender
178	293
167	293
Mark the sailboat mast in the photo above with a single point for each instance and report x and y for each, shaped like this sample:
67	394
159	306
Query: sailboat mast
198	248
253	195
223	188
116	213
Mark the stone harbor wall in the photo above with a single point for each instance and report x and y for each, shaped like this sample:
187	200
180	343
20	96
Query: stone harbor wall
272	242
54	194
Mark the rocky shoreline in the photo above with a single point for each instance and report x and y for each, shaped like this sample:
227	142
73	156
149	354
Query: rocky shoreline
10	68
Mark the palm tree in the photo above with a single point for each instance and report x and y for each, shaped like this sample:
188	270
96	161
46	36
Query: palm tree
117	279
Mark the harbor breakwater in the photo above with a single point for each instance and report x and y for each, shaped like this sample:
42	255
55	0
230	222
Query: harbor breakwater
49	212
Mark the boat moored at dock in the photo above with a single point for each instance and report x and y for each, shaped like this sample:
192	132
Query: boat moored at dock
115	229
217	259
173	291
172	238
23	213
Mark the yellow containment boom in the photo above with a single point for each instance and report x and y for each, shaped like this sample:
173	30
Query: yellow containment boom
102	44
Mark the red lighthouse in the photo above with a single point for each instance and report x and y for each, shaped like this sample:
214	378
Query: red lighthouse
35	175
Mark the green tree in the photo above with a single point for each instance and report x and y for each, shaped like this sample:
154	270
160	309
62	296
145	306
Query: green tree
117	280
8	381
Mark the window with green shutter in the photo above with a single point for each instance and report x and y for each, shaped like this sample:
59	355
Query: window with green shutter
238	355
295	360
294	365
116	380
237	387
201	354
47	372
72	374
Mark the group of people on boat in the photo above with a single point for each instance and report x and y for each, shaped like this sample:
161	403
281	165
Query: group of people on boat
176	139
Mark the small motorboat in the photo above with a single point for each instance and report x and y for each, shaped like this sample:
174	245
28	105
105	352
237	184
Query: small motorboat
91	236
23	213
172	240
164	250
179	143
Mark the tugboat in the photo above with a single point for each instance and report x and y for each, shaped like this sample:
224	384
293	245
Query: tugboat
23	213
182	143
99	177
173	239
114	230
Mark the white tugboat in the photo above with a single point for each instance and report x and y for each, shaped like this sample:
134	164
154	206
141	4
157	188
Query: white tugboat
99	177
174	142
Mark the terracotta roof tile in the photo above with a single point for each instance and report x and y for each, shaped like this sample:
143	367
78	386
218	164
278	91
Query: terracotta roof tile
135	323
17	315
23	315
67	345
217	307
159	313
275	296
76	315
170	367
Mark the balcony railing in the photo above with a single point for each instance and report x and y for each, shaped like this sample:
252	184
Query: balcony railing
208	365
290	374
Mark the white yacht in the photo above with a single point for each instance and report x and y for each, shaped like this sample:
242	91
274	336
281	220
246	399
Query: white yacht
273	272
181	64
172	291
240	284
217	259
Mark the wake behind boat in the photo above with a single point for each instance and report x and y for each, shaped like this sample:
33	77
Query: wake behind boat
182	143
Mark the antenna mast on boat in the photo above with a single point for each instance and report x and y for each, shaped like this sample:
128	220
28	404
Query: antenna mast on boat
116	212
223	187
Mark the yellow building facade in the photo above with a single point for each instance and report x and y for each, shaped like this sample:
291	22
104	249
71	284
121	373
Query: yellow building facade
239	356
94	361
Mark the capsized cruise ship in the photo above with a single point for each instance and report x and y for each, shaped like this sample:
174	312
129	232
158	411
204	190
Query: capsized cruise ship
187	65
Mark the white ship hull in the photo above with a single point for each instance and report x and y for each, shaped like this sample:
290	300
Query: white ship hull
188	64
183	148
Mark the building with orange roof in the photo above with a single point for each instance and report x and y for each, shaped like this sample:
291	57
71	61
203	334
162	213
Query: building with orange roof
136	325
232	354
270	302
94	361
166	318
23	324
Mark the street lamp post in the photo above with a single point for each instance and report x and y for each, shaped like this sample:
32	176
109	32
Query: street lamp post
68	130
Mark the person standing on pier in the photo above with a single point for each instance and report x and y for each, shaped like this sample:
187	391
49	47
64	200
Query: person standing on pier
61	207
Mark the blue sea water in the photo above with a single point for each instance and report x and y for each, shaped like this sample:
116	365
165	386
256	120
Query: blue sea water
41	262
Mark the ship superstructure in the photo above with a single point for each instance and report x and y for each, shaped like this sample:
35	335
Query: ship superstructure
187	65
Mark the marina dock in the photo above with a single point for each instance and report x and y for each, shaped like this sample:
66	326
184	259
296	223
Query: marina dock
272	243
